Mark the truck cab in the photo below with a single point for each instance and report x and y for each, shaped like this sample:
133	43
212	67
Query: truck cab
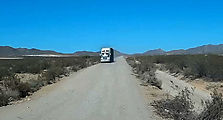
107	55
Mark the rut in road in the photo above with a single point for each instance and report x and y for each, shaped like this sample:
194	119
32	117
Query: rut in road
106	91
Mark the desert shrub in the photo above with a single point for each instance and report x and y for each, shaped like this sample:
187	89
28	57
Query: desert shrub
24	89
11	82
7	96
53	72
181	108
75	68
5	72
178	108
15	85
145	68
173	68
49	69
12	89
207	66
26	65
4	99
36	84
38	64
213	109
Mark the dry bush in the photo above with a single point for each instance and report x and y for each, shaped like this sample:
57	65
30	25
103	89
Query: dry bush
145	70
193	66
197	66
8	95
52	73
181	108
37	84
15	85
12	89
178	108
50	68
24	89
213	109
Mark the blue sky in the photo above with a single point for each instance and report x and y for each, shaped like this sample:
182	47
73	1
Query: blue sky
127	25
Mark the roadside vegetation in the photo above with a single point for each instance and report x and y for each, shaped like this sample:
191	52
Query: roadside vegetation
181	108
145	69
49	70
178	108
209	67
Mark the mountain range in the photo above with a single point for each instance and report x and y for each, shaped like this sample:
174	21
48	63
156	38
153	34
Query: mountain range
9	51
205	49
89	53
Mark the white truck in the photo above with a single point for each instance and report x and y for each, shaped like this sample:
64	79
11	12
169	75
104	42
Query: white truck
107	55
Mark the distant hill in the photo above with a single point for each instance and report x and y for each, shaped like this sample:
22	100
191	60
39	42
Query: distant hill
6	51
118	53
155	52
176	52
9	51
205	49
86	53
89	53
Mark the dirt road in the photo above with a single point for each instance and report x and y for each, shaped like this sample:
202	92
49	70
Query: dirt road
100	92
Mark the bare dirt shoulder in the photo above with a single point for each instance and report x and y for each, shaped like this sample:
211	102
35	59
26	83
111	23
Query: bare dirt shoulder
207	86
150	94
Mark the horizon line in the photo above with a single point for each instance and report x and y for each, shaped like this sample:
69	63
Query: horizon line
99	50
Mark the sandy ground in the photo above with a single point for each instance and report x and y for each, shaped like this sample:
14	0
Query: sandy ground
100	92
173	85
207	86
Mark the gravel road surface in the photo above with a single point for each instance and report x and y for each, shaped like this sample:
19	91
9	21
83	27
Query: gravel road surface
106	91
